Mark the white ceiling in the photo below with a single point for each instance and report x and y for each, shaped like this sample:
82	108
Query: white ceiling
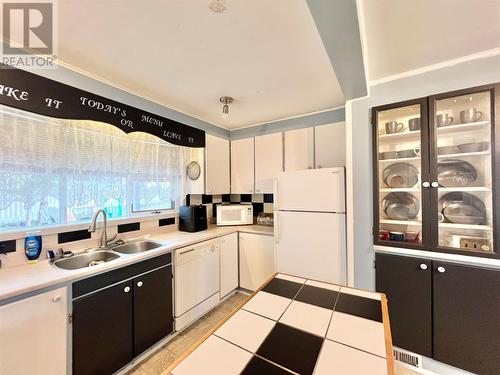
268	55
403	35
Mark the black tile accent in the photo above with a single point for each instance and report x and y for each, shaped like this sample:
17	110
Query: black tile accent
206	198
214	209
257	208
359	306
76	235
167	221
283	288
130	227
259	366
188	200
7	246
318	296
268	198
247	198
291	348
226	197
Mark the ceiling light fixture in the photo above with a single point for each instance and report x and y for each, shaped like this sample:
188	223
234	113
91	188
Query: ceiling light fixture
226	100
217	6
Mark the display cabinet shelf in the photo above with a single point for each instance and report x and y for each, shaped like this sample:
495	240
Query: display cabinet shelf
464	155
465	226
480	125
401	222
397	160
392	190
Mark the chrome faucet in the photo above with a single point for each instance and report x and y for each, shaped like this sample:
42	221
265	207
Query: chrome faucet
103	241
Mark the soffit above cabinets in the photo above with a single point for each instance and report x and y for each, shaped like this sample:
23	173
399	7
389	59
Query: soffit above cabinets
268	55
401	36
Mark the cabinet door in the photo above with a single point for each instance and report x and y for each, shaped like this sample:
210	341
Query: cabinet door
228	264
153	309
242	166
256	260
407	283
401	175
268	161
103	330
299	149
329	145
33	335
466	317
217	165
462	129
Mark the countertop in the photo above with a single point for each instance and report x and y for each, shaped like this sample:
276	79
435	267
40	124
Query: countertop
16	281
294	325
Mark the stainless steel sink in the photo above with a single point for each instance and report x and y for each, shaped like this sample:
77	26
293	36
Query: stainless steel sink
136	247
89	259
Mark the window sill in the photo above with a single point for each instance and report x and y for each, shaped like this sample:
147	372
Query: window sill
55	229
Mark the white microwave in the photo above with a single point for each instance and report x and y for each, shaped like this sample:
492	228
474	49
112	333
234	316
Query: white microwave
234	214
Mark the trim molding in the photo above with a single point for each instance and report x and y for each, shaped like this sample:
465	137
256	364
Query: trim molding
321	118
440	65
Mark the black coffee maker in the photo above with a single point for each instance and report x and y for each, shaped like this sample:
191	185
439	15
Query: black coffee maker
193	218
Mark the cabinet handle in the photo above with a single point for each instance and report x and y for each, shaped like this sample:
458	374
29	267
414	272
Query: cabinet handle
423	266
126	289
187	251
434	184
56	299
426	184
139	284
441	269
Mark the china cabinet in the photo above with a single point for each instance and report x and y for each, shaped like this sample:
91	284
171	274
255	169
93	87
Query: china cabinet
436	172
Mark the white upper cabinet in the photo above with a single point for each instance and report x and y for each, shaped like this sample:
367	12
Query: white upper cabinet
299	149
217	165
268	161
330	145
242	166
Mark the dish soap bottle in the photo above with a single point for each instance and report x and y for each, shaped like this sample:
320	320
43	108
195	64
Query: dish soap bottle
32	247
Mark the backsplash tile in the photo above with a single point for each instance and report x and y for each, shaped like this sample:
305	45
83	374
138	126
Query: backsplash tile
268	198
7	246
167	221
76	235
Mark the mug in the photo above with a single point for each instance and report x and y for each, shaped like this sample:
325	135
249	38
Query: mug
440	217
444	119
383	235
392	127
413	237
411	153
397	236
470	115
414	124
388	155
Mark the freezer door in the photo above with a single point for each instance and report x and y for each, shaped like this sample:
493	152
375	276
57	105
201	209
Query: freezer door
319	190
311	245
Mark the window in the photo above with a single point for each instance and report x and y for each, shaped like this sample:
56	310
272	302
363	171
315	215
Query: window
56	171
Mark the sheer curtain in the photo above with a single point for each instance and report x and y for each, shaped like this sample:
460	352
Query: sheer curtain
56	171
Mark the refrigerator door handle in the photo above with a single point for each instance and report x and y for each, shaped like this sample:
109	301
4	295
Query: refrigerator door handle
276	228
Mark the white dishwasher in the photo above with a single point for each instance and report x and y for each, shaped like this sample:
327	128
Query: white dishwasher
196	281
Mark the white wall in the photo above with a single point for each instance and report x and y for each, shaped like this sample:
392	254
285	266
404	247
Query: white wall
359	148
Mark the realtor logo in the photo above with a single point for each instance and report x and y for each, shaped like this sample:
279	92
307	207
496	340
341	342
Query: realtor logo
28	33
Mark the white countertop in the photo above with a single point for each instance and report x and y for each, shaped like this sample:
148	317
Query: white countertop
19	280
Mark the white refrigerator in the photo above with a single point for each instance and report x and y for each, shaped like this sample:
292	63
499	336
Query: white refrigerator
309	224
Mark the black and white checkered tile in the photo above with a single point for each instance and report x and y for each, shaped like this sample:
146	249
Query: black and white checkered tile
297	326
260	202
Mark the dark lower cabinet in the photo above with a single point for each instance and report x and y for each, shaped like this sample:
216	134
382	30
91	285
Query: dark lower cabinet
467	317
102	331
407	283
113	324
153	308
447	311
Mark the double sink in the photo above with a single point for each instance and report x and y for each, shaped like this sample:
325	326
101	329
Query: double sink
96	257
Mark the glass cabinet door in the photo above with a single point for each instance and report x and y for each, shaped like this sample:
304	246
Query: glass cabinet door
401	164
461	172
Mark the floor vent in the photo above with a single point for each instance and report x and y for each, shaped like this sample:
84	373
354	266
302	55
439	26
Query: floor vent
407	357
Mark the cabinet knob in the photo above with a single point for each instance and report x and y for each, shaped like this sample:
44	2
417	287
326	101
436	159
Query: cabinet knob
441	269
56	299
426	184
423	266
434	184
139	284
126	289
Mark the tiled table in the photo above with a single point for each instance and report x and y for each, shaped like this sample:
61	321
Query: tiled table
293	325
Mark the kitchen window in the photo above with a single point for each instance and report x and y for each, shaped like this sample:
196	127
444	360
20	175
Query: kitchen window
55	171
